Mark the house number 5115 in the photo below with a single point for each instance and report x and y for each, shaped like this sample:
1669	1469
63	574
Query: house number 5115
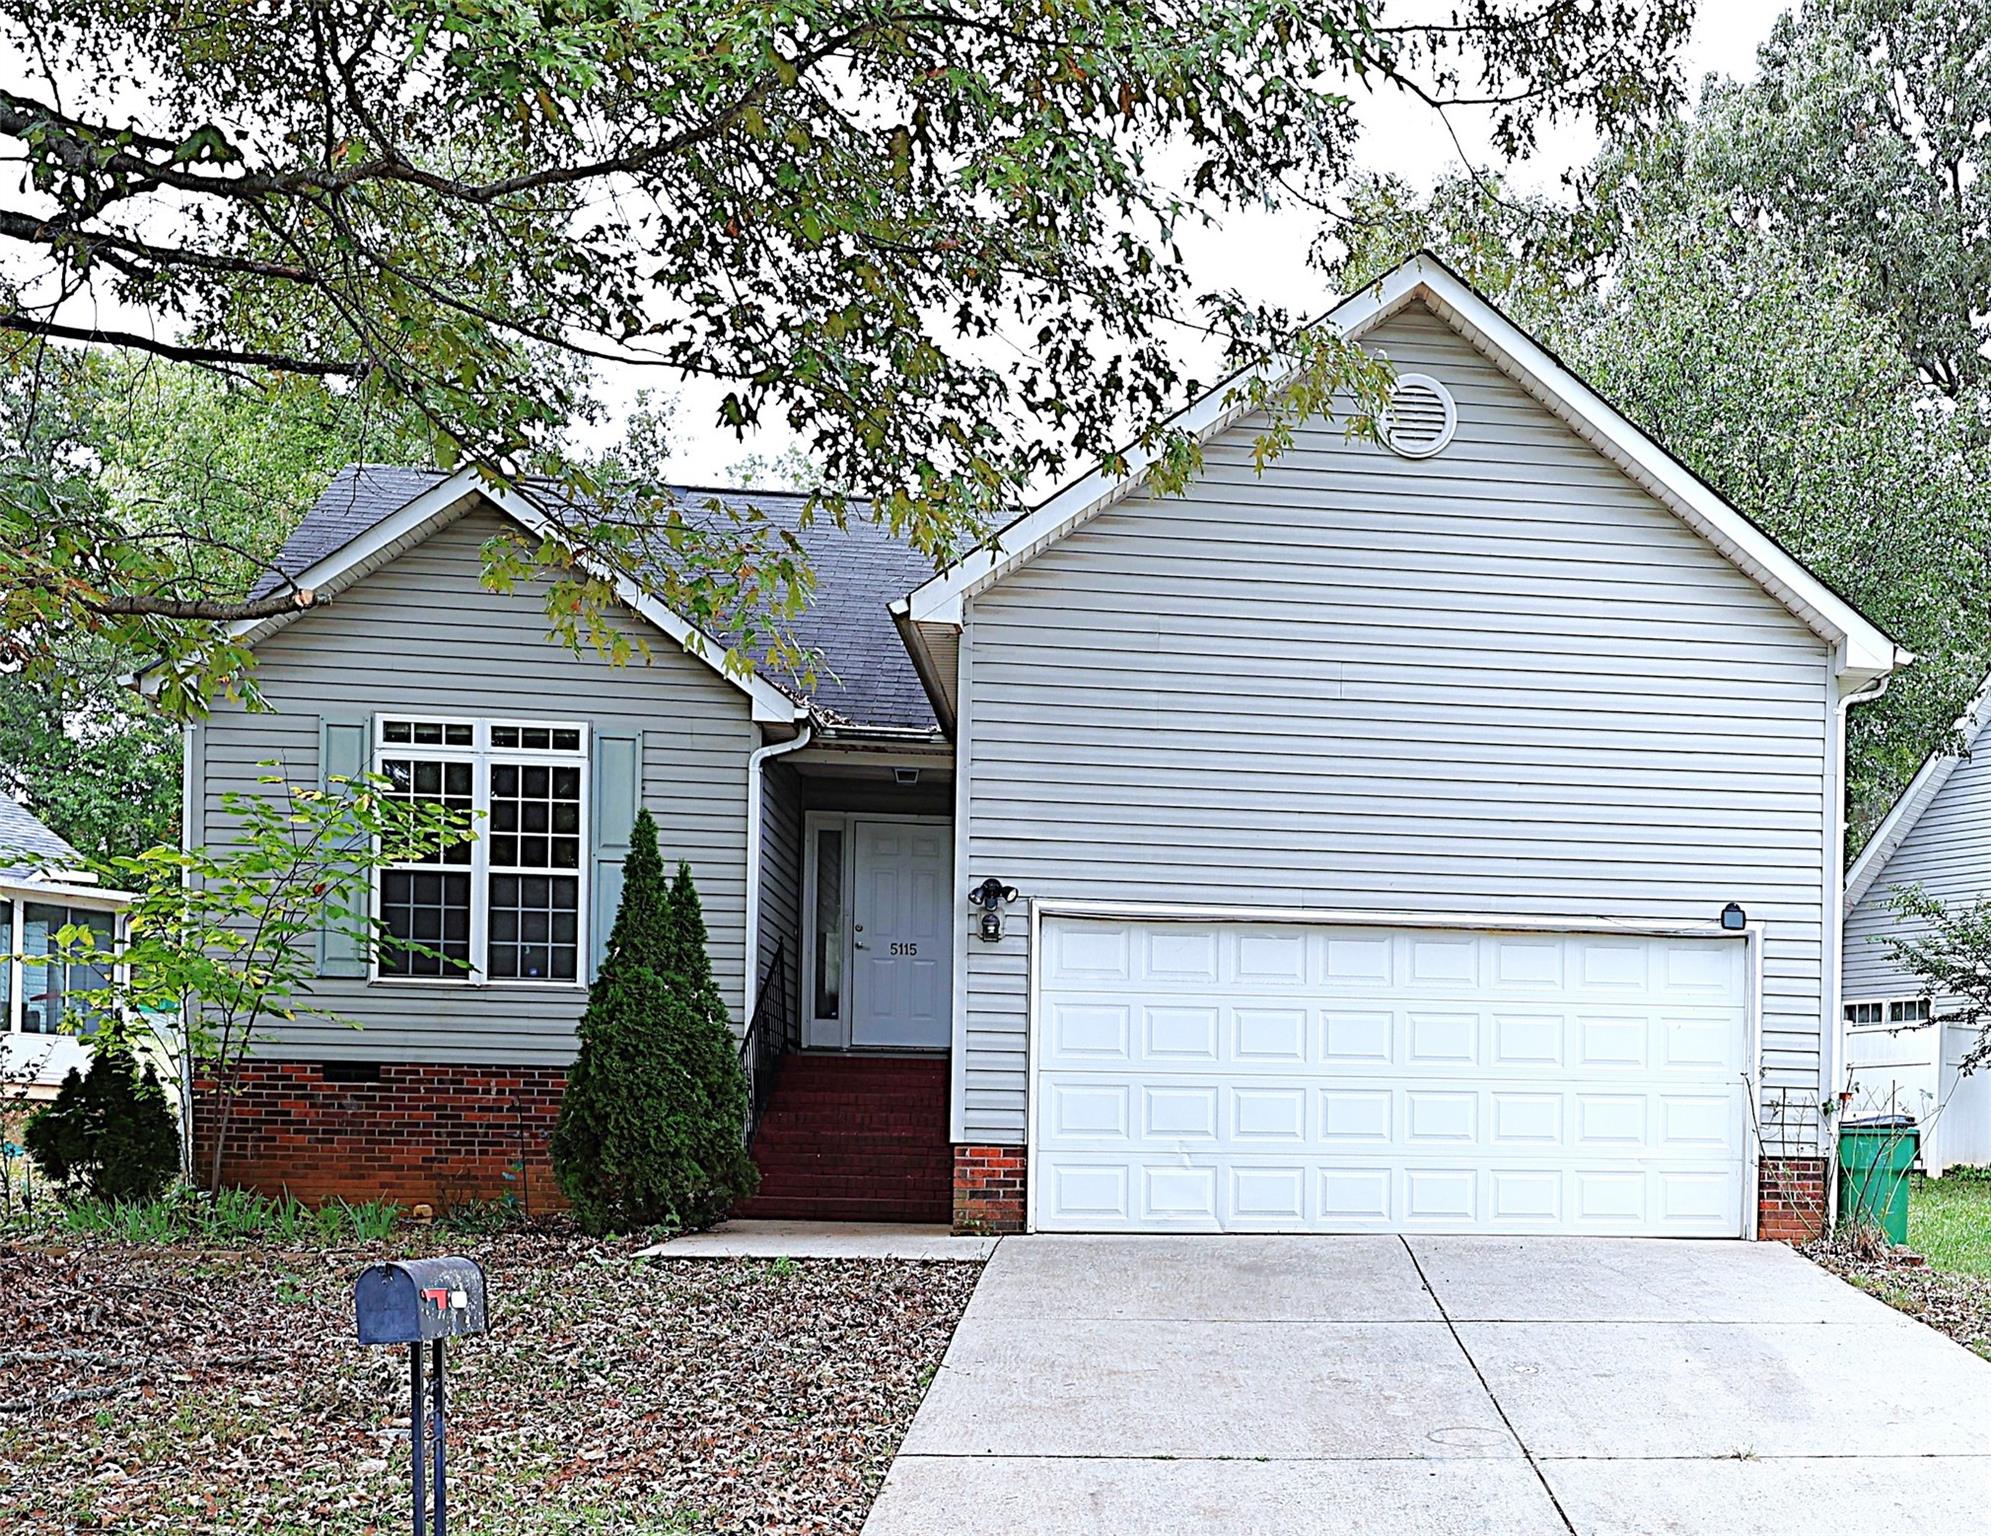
905	948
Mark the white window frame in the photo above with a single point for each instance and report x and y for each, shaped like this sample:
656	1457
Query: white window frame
480	754
17	903
1887	1006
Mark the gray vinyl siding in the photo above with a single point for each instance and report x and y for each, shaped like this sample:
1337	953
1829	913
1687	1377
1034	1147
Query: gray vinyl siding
1947	852
1500	681
781	879
420	635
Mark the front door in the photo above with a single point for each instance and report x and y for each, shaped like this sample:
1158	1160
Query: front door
902	979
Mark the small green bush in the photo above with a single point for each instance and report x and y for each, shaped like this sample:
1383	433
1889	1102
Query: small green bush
234	1216
108	1135
652	1123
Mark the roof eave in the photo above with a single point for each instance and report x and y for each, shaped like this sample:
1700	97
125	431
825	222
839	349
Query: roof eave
911	636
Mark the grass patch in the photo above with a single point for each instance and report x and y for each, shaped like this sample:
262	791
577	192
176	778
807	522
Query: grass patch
1949	1221
234	1216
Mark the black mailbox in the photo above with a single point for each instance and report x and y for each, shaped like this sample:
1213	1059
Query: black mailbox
414	1301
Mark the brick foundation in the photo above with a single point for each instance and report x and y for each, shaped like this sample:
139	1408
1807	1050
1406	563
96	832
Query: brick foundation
1790	1199
430	1133
988	1189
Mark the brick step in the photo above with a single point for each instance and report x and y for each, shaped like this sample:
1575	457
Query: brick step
771	1208
853	1082
829	1063
920	1099
864	1177
849	1154
784	1123
831	1119
849	1200
883	1181
869	1174
858	1189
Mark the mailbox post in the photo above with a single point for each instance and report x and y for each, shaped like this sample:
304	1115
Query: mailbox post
422	1303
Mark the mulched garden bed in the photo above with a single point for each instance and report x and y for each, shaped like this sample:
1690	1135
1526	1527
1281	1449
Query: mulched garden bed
200	1390
1957	1304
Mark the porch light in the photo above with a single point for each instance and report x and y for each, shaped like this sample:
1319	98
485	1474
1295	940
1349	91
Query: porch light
989	897
1733	918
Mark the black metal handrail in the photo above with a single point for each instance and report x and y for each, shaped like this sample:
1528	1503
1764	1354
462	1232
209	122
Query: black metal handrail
770	1036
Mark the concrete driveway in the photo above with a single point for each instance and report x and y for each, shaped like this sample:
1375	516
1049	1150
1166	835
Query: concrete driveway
1476	1385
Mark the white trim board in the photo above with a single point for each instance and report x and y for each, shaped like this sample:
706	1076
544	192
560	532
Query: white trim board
1862	651
445	502
1913	801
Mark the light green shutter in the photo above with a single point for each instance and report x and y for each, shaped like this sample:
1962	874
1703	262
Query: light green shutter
342	754
617	792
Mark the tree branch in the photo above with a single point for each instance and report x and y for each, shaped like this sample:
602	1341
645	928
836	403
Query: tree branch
209	610
223	357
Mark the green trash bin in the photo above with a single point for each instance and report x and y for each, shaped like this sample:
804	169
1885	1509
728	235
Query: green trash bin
1875	1155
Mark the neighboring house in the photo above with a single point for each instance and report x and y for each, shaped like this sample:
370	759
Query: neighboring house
43	891
1428	837
1936	836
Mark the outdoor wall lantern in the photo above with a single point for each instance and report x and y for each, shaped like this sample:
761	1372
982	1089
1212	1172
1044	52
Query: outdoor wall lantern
988	899
1733	918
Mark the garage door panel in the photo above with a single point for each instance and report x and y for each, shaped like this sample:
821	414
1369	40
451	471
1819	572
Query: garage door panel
1332	960
1171	1114
1434	1195
1252	1036
1200	1077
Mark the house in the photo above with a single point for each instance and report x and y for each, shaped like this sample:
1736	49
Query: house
1899	1060
1435	835
42	891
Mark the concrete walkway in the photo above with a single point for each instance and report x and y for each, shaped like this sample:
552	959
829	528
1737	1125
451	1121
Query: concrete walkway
1283	1385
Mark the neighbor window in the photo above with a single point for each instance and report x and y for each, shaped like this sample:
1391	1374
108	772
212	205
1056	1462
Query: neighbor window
1888	1013
507	905
40	993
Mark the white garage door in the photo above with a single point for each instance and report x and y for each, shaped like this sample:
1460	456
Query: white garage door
1287	1078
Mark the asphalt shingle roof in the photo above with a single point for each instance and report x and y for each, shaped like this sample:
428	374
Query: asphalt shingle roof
26	845
864	675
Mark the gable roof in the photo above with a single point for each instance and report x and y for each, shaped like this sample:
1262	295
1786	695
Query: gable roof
1862	651
370	513
27	846
1910	806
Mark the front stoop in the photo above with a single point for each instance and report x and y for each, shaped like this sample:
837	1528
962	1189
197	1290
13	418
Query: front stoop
854	1138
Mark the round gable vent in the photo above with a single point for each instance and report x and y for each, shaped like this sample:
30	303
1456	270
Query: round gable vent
1422	417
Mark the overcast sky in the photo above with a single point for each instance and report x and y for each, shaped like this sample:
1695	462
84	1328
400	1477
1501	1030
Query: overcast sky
1264	254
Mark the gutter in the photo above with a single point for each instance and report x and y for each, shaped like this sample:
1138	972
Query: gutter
755	796
883	735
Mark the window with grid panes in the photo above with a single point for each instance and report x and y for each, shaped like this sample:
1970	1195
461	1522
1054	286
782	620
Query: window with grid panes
1888	1013
425	907
508	905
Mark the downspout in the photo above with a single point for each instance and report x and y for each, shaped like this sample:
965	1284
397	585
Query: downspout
755	796
1835	944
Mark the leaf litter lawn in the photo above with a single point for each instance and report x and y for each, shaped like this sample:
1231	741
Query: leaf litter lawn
197	1390
1949	1229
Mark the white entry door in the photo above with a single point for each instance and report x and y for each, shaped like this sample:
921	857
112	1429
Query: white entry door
1202	1077
902	978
